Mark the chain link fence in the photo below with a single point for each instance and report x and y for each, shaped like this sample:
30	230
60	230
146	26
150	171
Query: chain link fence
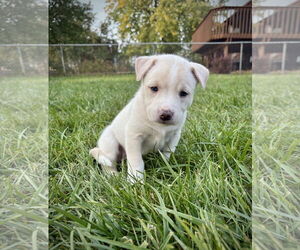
119	58
78	59
21	59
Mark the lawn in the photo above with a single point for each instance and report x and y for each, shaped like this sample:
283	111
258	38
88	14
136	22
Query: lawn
276	157
200	199
24	162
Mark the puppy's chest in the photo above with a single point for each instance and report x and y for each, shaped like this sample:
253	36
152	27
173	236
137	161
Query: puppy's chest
156	141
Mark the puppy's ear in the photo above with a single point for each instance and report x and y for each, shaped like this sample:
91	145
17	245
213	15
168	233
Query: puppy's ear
200	72
142	65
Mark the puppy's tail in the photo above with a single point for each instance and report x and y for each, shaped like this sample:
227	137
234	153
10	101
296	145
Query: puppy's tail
100	157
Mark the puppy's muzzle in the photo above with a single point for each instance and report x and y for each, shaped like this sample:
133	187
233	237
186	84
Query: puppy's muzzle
166	115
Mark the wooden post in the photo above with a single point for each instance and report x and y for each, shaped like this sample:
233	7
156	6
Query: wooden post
241	57
62	59
283	57
225	51
261	51
21	60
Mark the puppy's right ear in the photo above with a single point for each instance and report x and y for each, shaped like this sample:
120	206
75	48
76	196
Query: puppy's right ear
142	65
200	72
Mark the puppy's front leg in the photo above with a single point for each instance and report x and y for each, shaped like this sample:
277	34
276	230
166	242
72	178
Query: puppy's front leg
171	146
135	161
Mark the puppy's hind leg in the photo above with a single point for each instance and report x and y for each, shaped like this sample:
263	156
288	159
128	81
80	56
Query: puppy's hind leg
107	151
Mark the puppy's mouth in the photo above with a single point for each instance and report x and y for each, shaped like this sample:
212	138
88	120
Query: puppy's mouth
170	122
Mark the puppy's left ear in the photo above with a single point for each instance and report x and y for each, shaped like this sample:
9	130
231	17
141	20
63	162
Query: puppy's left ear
200	72
142	65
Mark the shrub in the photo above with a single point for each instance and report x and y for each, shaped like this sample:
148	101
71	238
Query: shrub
221	65
261	65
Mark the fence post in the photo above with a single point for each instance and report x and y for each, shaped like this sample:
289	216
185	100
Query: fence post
241	57
62	58
21	60
283	57
115	63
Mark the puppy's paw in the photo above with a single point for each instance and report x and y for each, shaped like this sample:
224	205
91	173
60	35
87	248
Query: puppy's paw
167	155
109	171
95	152
106	164
100	158
137	178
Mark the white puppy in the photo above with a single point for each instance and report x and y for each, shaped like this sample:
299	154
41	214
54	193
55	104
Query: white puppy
153	119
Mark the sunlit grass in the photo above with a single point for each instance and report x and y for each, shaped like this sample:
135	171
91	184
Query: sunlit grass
200	199
23	163
276	158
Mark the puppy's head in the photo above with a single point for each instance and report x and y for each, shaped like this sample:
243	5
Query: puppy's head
168	84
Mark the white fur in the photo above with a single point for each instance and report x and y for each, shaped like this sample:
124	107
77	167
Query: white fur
138	128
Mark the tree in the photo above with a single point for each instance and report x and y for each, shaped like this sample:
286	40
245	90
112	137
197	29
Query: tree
157	20
23	21
70	22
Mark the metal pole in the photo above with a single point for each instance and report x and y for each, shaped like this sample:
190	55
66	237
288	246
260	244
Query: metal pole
21	60
283	57
241	57
62	59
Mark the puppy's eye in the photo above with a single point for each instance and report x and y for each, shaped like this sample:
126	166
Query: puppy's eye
154	89
183	93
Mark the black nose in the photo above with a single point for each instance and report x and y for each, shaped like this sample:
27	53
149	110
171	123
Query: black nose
166	115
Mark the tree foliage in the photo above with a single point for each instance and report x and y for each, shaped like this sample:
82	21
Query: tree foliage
70	22
23	21
157	20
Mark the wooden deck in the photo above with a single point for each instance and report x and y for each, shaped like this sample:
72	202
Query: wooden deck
247	23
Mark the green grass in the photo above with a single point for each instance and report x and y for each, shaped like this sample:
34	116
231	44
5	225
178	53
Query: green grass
200	199
276	157
23	163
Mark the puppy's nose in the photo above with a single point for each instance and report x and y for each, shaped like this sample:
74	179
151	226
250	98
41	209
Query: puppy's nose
166	115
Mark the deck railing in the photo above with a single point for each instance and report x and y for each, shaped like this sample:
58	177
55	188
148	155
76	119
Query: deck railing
240	23
224	23
276	22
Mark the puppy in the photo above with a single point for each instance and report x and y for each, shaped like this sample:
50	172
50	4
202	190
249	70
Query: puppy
153	119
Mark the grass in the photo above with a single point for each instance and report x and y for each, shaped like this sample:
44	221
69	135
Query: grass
23	163
276	157
200	199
